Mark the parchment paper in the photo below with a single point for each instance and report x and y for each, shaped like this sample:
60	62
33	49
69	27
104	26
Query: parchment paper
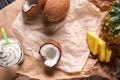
82	17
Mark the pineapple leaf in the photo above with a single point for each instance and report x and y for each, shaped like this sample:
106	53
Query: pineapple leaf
114	26
114	15
116	5
112	11
115	12
119	34
114	19
118	27
113	22
116	9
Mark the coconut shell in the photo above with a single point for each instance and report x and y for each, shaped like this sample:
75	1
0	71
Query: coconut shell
56	10
35	10
55	43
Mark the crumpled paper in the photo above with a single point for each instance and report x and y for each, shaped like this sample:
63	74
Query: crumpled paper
82	17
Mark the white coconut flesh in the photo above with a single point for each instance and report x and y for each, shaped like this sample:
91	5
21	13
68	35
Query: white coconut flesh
51	53
29	4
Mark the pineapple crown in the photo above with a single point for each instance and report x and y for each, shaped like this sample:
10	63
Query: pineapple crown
115	12
114	18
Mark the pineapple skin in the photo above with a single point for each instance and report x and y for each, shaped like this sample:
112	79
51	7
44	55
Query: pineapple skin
110	38
109	32
106	35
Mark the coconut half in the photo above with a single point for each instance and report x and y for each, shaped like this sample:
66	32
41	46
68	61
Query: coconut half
33	7
51	51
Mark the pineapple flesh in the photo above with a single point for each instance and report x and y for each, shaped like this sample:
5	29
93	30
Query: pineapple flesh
92	42
111	24
108	54
101	49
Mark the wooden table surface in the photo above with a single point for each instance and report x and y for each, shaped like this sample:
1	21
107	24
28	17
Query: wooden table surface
9	13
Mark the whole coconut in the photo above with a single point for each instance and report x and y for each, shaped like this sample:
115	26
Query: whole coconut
56	10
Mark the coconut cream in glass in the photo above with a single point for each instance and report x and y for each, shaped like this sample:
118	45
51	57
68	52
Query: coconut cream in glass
10	54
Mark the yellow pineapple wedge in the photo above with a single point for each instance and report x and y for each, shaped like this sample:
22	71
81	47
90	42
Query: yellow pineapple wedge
108	53
92	42
101	49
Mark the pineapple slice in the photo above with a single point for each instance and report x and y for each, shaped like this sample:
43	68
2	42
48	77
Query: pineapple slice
108	53
92	43
101	49
99	46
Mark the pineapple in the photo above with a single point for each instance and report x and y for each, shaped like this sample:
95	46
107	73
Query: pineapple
101	49
92	43
111	24
108	54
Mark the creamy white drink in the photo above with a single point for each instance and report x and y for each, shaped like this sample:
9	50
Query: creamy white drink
10	54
